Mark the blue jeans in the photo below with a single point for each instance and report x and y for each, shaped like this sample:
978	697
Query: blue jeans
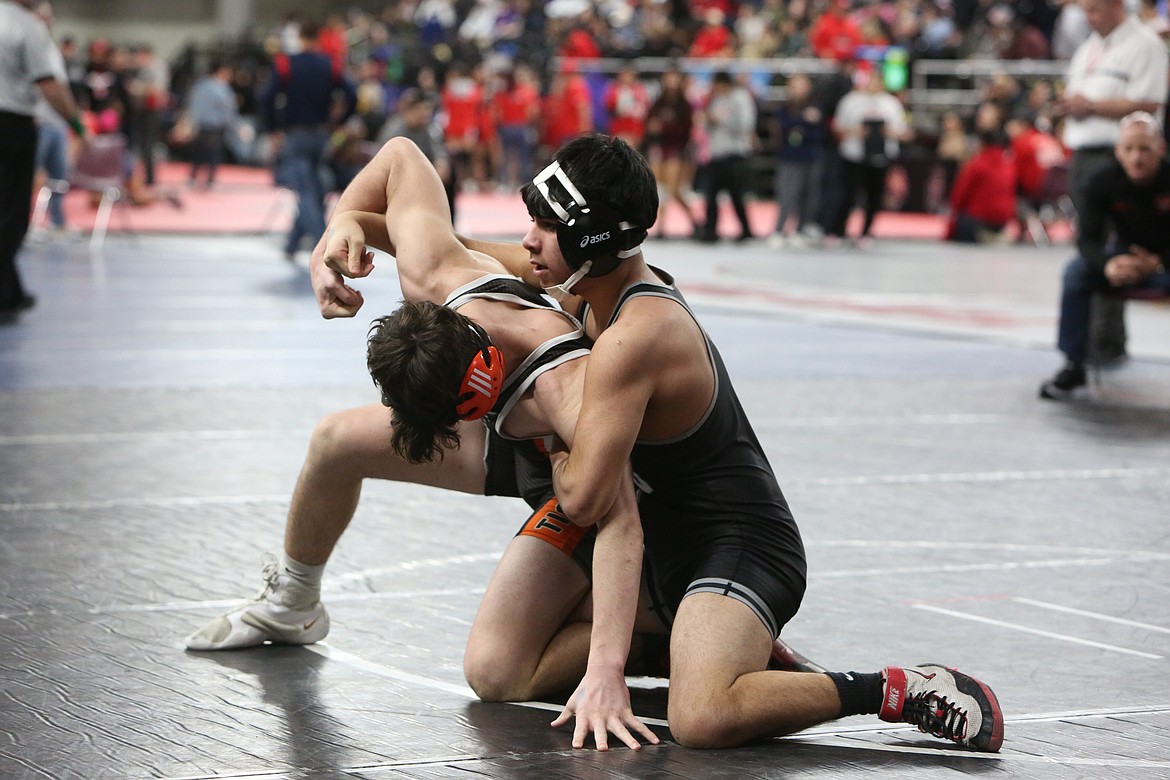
52	158
1081	280
300	170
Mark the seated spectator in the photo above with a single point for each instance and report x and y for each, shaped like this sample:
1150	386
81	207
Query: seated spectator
939	37
834	35
983	199
1024	41
713	39
1034	153
755	32
1132	194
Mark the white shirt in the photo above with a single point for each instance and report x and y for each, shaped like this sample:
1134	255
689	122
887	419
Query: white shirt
859	107
1131	62
25	58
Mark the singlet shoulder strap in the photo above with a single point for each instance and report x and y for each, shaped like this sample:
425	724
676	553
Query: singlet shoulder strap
501	287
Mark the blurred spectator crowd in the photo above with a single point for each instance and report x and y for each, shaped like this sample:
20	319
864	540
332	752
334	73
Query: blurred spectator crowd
507	81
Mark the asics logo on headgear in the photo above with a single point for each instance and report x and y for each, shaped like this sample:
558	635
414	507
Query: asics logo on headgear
594	239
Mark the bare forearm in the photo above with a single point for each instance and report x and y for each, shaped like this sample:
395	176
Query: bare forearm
617	571
59	98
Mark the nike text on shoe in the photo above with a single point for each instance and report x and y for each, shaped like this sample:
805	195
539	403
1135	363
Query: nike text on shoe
264	618
945	703
1065	384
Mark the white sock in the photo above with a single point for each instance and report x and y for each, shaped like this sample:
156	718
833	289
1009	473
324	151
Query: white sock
304	583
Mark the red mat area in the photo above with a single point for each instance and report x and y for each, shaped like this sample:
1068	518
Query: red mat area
244	200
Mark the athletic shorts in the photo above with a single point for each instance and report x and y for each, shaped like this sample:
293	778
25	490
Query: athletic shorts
757	561
517	469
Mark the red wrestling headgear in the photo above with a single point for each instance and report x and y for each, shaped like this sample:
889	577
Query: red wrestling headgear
483	381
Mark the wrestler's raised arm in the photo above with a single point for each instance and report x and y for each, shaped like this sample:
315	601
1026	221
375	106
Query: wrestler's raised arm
401	184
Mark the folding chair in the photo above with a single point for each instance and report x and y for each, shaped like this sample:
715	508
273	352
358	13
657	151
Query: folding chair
100	167
1052	203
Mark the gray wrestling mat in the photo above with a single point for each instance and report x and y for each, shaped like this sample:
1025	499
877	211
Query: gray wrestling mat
156	404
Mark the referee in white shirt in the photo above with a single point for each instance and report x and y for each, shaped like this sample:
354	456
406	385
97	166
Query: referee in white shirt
26	68
1121	67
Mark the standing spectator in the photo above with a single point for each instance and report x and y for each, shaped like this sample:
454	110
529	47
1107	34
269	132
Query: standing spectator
953	148
800	131
26	67
1123	244
462	99
730	122
627	102
415	119
566	109
52	131
150	89
1071	29
485	158
332	41
870	123
829	92
1122	67
983	200
517	109
211	110
303	100
835	35
669	123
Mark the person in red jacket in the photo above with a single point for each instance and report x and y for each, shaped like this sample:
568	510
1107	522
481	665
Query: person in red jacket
834	34
1034	152
983	200
713	39
567	109
461	98
627	102
517	110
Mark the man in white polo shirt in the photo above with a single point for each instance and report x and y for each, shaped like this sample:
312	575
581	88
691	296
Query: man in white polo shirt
1122	67
26	68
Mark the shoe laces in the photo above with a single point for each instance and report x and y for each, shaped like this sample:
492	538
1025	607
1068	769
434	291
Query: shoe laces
936	715
271	576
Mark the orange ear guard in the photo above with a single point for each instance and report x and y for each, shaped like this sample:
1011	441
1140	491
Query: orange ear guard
481	384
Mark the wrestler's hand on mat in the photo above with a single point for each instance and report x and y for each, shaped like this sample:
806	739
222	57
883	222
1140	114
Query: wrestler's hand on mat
601	705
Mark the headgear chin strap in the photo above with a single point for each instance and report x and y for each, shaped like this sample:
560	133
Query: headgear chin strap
566	287
483	381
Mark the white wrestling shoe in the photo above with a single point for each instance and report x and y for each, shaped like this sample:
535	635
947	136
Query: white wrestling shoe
264	618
